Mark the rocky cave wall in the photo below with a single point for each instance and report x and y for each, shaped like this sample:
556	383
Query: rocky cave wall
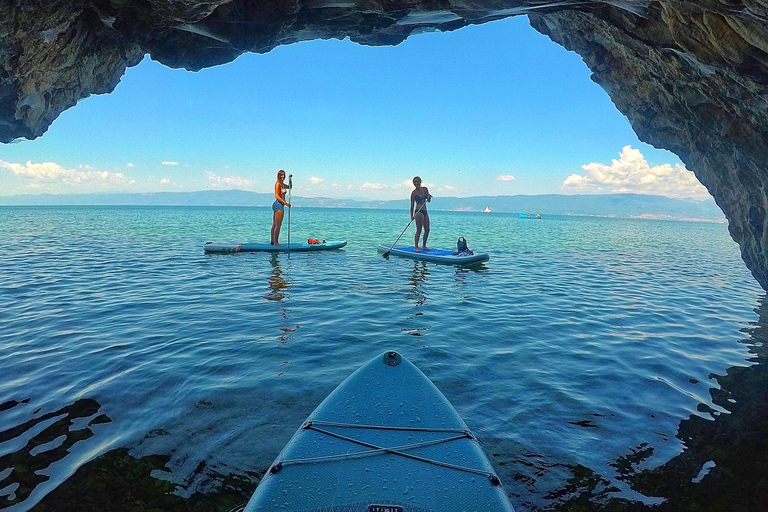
692	77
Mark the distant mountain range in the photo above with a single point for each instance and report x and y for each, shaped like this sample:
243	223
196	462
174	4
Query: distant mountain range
609	205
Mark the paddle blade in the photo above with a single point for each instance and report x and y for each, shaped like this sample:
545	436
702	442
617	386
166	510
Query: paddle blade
386	255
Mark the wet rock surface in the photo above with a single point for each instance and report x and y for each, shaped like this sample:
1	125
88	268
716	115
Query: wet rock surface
692	77
693	81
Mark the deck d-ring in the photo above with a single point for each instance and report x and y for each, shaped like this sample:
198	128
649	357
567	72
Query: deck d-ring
392	358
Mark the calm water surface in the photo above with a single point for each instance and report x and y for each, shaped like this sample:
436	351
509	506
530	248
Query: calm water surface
580	341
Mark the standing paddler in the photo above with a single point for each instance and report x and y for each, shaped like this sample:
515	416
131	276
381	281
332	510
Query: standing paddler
278	207
419	199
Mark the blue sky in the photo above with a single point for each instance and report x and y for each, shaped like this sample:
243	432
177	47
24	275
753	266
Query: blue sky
486	110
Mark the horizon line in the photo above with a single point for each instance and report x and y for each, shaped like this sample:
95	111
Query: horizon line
50	194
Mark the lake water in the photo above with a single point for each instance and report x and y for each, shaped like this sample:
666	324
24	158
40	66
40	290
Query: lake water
582	342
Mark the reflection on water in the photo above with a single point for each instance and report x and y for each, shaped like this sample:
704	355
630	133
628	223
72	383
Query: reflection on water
32	447
723	467
416	280
463	275
277	284
725	462
277	292
415	293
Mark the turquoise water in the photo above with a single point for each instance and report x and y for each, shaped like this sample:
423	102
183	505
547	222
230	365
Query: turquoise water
579	341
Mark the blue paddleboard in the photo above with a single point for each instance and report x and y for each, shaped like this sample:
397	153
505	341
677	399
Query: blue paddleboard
437	255
210	247
385	440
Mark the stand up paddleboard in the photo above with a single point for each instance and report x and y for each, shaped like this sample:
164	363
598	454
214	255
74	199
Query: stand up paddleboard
210	247
437	255
386	440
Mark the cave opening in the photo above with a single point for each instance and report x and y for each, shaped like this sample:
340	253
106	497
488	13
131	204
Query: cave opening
494	109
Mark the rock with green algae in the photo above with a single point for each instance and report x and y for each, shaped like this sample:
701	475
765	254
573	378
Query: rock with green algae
119	482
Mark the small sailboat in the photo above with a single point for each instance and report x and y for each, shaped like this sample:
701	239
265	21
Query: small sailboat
487	209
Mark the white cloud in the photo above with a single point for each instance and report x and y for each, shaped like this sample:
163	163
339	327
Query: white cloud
505	177
170	163
373	186
404	184
165	181
409	184
229	181
49	175
315	180
631	173
130	165
448	188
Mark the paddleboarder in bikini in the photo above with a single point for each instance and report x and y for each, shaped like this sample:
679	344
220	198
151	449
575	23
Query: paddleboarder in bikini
419	199
278	207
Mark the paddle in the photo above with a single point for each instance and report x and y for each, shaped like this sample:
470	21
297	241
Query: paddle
290	186
386	254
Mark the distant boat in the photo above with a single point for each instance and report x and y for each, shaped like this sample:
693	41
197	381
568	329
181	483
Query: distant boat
487	209
527	215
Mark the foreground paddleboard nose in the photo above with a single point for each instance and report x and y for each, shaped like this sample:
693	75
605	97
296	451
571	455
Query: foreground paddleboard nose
385	440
